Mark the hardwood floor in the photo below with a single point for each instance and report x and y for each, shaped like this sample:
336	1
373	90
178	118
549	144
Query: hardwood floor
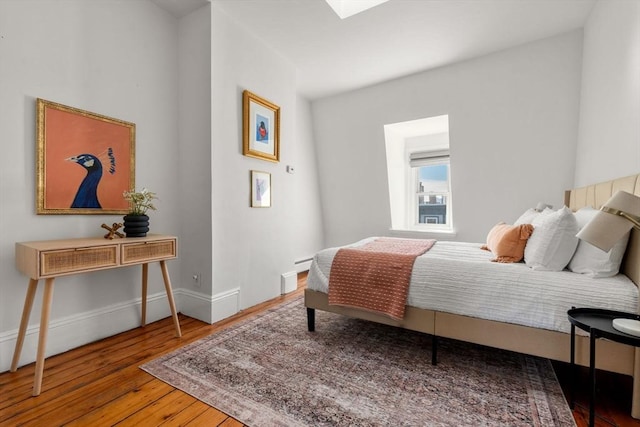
100	384
613	398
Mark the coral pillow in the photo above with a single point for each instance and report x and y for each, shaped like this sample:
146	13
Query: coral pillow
507	242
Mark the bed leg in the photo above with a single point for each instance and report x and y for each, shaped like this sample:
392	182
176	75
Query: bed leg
635	396
434	349
311	319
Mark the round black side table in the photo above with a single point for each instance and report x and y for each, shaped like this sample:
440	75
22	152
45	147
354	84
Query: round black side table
599	324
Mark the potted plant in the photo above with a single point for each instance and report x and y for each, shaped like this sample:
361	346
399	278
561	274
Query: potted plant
136	222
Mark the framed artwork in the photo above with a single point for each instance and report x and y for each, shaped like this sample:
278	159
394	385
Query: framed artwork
260	189
85	161
260	128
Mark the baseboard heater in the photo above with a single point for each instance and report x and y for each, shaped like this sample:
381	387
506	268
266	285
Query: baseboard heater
303	264
288	282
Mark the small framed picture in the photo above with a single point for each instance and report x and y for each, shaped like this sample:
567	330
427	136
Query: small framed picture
260	189
261	128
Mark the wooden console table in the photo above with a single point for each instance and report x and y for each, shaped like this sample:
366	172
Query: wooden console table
49	259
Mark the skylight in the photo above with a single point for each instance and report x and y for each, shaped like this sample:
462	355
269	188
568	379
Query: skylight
346	8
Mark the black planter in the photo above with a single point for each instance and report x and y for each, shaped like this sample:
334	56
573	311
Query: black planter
136	225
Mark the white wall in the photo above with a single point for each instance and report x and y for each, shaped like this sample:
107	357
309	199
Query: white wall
116	58
194	164
609	135
239	252
252	247
307	218
513	120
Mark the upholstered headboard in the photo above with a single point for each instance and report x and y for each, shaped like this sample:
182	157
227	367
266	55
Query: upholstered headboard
595	196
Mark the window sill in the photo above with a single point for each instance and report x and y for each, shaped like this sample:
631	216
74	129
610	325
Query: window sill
448	234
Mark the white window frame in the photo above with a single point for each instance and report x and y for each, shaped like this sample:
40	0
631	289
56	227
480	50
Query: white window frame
434	158
401	140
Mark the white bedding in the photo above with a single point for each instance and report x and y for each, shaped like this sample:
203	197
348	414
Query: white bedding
459	278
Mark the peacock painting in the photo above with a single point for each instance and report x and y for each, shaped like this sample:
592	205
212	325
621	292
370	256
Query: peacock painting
87	194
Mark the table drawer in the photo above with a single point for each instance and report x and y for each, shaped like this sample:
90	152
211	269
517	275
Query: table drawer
148	251
74	260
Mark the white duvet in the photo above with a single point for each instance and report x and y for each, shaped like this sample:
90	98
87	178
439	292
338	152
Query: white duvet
459	278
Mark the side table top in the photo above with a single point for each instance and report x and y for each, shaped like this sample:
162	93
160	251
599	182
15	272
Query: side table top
90	241
600	322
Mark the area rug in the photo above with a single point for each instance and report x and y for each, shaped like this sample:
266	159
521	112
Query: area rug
270	371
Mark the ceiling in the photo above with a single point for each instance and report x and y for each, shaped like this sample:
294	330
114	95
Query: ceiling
179	8
394	39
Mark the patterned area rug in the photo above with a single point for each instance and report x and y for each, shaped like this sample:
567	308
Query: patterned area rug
270	371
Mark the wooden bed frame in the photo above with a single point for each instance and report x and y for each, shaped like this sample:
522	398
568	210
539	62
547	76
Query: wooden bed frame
554	345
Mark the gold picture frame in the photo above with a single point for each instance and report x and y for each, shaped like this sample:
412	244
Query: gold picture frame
260	128
84	161
260	189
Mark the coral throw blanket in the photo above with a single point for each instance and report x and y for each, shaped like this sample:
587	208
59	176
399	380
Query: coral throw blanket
375	276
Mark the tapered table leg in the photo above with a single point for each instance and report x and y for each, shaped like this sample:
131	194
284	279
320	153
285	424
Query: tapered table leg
145	275
172	304
24	322
42	340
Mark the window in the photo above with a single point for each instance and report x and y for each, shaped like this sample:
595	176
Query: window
419	173
430	189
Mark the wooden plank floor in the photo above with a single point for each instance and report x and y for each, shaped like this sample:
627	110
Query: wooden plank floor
101	384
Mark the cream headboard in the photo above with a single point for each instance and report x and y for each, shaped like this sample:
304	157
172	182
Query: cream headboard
595	196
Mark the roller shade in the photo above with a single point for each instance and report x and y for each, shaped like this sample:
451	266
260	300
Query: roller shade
426	158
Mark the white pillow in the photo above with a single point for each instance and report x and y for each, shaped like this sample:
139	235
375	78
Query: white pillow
553	241
527	217
592	261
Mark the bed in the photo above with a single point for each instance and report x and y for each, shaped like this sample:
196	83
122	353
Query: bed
529	317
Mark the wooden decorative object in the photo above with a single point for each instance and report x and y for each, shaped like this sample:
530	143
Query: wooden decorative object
112	230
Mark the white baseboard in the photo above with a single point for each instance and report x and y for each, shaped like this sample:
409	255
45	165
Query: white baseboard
225	304
209	309
73	331
194	304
